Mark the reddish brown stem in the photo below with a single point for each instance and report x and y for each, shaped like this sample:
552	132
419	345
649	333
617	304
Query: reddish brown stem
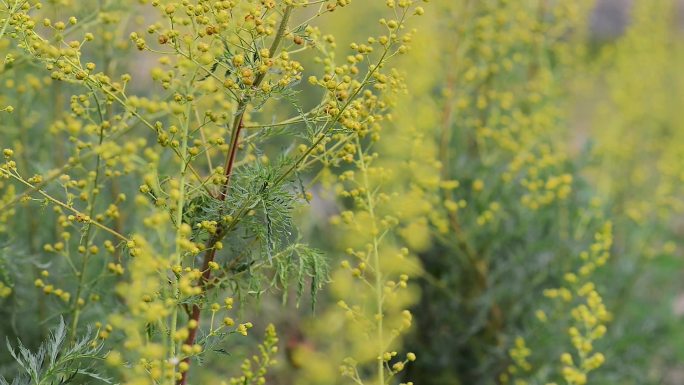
238	125
196	311
210	254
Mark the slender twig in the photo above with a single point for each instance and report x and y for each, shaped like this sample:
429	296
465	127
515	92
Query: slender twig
86	237
63	205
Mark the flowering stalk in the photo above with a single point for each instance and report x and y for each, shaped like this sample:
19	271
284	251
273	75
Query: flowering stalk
179	223
237	127
377	270
94	192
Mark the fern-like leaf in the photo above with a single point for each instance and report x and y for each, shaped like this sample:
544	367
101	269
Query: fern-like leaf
56	361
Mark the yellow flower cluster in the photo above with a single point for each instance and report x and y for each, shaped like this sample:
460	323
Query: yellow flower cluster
519	354
5	290
372	283
374	267
506	94
220	70
144	307
586	320
589	315
8	196
254	370
50	289
638	131
423	188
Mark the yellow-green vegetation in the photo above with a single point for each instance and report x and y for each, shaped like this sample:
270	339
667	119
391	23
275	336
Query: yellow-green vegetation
340	192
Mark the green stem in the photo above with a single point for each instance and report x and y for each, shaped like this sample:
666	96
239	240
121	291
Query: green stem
9	16
86	238
379	298
179	234
65	206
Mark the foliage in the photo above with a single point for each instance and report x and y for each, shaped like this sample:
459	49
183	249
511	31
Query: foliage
55	360
460	192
